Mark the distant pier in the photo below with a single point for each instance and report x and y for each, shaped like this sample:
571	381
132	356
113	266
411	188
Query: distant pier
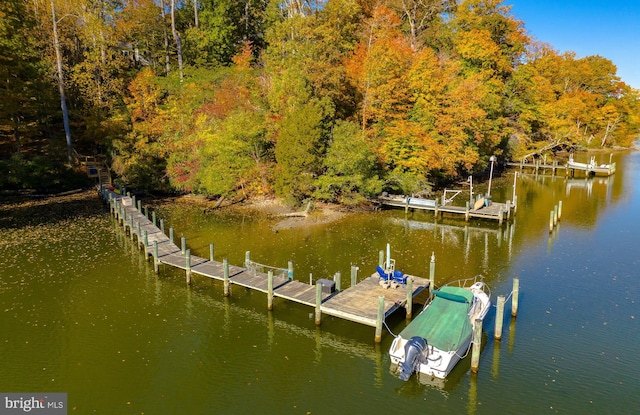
493	211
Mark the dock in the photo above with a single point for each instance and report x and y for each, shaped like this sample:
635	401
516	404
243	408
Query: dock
365	302
590	168
494	211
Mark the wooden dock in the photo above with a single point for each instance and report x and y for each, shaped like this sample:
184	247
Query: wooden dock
590	169
365	302
494	211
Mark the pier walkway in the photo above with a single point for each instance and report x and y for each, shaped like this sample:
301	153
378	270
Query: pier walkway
365	302
590	169
495	211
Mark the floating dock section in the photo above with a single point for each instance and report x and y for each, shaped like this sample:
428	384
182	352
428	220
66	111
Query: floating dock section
365	302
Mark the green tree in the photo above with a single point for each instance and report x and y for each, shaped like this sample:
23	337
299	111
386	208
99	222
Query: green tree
350	168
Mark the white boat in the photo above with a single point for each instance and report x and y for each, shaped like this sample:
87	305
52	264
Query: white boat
442	334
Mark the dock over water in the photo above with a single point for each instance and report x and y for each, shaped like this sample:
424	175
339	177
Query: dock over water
365	302
494	211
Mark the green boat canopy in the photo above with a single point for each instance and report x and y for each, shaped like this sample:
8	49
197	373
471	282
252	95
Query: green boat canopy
445	322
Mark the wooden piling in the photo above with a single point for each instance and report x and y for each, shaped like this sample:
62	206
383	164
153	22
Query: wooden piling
409	306
432	272
171	234
146	241
379	319
211	252
551	222
162	225
499	317
225	267
188	265
337	277
514	297
183	245
146	212
156	260
559	209
290	271
555	215
354	275
477	343
466	211
247	259
140	206
318	303
270	290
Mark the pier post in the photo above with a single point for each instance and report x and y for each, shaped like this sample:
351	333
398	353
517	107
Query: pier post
290	271
379	319
146	241
139	234
156	261
514	297
188	265
318	303
354	275
500	216
225	267
131	230
499	317
247	259
337	277
183	245
508	206
133	201
211	252
146	212
551	222
466	211
555	215
559	209
409	306
432	271
270	290
140	206
515	179
171	234
477	343
162	225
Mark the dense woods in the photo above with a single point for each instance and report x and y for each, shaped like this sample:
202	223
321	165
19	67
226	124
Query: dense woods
332	100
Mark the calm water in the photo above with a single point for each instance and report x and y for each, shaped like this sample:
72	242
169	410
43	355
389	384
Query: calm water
82	312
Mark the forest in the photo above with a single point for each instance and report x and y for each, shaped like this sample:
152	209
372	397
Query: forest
334	100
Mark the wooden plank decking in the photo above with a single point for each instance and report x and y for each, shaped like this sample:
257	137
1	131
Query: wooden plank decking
495	211
358	303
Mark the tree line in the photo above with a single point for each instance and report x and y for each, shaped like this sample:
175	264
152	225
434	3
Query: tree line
334	100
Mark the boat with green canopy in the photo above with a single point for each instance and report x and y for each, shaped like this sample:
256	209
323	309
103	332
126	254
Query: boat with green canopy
441	335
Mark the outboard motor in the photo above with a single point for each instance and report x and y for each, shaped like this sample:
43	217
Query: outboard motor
415	352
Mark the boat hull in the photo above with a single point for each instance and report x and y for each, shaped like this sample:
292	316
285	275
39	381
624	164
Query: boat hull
439	362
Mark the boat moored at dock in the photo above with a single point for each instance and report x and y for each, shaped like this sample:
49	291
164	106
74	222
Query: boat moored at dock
442	334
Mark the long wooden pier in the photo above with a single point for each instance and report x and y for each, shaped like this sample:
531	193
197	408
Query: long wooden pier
365	302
